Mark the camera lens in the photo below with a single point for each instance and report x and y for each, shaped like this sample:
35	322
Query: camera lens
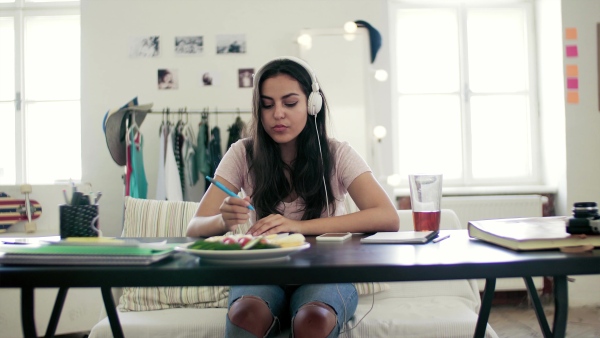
585	210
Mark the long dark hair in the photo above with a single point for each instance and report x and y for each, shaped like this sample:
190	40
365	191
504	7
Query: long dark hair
306	172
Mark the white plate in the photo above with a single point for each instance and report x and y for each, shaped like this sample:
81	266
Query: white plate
244	256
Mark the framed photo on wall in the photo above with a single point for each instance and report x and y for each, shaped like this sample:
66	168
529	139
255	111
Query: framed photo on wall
231	44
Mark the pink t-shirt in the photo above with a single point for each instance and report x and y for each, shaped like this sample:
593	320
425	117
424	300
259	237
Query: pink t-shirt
348	166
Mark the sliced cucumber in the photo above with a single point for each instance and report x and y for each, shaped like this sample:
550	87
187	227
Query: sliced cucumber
251	243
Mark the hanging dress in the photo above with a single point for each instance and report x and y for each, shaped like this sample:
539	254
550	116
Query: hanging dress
214	150
161	186
202	148
172	180
188	155
177	147
236	130
138	183
202	153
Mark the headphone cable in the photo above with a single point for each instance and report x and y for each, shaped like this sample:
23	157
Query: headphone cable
322	166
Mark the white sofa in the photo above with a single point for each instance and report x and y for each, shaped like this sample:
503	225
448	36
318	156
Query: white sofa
406	309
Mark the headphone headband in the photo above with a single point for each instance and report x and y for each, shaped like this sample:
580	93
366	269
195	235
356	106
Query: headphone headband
315	100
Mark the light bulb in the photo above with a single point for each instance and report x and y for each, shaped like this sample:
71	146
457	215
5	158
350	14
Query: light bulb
381	75
379	132
305	40
350	27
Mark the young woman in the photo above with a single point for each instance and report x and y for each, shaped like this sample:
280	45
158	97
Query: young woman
297	178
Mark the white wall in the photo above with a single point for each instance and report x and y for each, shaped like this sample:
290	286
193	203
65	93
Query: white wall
582	128
551	97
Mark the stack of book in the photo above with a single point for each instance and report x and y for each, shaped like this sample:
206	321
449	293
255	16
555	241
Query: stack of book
86	251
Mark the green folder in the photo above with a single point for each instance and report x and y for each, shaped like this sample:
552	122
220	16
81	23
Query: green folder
81	255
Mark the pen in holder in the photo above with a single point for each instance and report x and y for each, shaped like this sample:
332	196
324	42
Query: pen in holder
79	221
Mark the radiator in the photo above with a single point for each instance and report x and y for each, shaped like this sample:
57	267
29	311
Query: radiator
473	208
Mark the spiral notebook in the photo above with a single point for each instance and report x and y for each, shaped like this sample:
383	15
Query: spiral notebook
400	237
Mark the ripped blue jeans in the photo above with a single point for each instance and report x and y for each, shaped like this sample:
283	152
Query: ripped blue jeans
285	301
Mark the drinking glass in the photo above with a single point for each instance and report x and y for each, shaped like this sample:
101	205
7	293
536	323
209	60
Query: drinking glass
425	198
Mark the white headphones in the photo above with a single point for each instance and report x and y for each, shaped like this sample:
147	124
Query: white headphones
315	100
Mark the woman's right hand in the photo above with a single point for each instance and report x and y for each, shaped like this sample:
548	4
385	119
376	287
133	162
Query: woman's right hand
234	211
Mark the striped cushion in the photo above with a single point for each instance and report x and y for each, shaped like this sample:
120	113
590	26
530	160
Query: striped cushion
369	288
153	218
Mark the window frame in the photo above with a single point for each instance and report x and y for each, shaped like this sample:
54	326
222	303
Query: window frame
19	10
461	7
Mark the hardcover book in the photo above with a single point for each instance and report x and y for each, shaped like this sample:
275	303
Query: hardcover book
532	233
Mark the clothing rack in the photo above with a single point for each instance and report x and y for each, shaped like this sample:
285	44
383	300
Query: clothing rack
204	111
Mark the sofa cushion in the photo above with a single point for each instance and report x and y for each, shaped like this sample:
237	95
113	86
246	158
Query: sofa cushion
160	298
154	218
369	288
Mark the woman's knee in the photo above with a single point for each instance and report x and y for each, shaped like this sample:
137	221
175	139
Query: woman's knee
314	319
251	314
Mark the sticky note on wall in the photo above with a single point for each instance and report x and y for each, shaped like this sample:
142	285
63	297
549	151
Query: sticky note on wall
572	83
572	71
571	33
571	51
572	97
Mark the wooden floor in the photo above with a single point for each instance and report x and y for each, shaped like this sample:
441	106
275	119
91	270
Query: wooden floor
520	321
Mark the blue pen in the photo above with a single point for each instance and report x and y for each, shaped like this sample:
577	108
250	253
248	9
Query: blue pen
227	191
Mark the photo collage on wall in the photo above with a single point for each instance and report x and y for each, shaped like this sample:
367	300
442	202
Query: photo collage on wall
190	46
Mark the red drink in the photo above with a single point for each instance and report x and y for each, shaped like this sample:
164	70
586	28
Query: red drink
426	220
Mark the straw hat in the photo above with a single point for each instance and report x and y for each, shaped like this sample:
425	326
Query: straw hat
115	127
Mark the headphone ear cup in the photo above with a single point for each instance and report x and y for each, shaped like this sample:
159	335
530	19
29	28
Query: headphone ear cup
315	103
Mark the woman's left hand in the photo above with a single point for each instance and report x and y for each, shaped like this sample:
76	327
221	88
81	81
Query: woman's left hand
274	224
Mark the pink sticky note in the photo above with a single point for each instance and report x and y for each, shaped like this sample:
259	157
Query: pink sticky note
572	83
572	51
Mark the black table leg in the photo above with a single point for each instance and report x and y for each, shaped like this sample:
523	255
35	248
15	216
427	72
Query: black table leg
561	306
27	319
111	313
58	306
486	307
537	306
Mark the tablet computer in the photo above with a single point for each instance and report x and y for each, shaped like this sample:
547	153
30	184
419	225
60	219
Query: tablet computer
401	237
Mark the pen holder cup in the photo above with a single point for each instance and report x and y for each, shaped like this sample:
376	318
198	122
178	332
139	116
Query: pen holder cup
79	221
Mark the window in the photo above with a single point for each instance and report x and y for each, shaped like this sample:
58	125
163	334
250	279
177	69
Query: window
465	92
40	123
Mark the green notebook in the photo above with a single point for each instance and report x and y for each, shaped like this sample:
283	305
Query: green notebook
81	255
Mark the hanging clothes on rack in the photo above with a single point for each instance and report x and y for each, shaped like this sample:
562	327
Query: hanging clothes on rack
135	175
188	156
163	133
202	150
177	146
214	147
138	184
202	156
172	178
128	167
236	130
